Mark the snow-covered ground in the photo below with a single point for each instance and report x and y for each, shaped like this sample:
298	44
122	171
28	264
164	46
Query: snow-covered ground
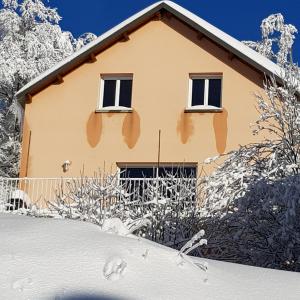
63	259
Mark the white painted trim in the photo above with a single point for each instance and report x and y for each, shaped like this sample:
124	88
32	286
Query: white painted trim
206	79
117	92
190	92
203	108
101	93
114	109
206	87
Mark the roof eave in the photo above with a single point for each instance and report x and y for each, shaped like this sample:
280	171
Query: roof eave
128	25
221	42
83	54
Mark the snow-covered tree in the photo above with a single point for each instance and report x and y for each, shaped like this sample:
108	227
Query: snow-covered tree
275	33
252	209
31	41
252	202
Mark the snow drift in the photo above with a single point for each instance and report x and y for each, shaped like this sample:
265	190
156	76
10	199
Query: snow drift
64	259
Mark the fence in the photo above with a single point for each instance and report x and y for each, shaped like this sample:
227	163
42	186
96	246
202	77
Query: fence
16	193
20	192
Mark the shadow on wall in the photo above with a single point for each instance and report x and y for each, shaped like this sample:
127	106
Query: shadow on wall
94	129
185	127
83	296
221	129
131	129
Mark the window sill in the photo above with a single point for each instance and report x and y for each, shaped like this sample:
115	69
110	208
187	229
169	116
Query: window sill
114	109
203	109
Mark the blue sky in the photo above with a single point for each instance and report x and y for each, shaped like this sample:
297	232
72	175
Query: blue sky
240	19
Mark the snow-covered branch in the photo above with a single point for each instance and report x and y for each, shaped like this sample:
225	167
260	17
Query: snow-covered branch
274	31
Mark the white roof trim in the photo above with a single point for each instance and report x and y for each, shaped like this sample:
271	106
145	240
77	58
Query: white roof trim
227	41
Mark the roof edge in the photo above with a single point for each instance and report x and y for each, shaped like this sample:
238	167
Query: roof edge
88	49
233	45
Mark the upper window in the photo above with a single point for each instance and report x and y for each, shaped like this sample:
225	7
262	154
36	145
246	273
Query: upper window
205	92
115	92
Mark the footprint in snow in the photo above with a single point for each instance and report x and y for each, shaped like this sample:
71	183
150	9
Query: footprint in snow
22	284
114	268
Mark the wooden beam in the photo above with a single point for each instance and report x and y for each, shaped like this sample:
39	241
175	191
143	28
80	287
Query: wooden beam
92	58
124	37
231	56
200	36
168	15
58	79
28	99
158	16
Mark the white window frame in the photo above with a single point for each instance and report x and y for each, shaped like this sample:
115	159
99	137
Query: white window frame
205	106
117	93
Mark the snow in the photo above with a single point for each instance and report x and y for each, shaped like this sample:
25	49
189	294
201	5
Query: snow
114	268
43	258
115	225
213	32
269	26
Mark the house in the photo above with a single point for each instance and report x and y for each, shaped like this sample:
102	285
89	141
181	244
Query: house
163	88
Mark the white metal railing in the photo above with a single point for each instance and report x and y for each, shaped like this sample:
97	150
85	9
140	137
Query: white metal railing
16	193
19	192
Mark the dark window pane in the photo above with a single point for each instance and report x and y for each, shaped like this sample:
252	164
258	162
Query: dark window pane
214	92
150	172
138	172
198	92
177	172
125	93
109	93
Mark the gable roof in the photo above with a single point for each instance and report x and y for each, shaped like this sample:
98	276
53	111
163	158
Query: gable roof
234	46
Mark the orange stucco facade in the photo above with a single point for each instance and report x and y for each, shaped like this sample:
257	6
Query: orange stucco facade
61	122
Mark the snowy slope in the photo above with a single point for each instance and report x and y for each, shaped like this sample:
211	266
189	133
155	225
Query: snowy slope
62	259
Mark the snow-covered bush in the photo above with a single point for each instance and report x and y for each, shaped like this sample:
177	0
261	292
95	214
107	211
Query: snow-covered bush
92	199
252	206
260	228
165	210
195	242
172	205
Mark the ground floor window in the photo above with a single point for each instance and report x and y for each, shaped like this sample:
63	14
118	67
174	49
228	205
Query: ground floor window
178	171
159	182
